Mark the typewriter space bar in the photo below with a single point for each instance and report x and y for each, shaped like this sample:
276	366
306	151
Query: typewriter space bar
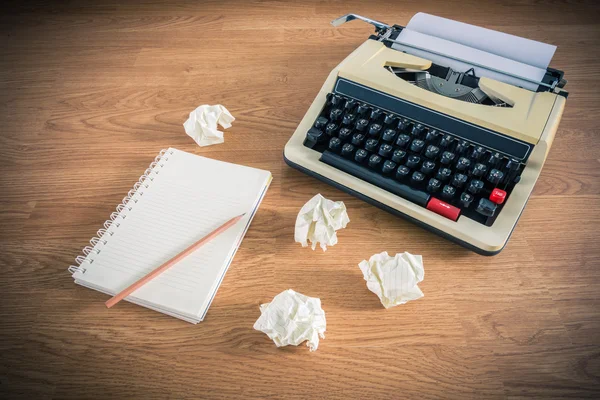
416	196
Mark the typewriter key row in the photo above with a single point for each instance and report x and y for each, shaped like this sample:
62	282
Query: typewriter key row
413	160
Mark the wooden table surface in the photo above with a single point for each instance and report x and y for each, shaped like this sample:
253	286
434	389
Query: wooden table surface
89	95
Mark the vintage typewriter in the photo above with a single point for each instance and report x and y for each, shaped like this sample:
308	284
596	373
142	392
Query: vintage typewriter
456	151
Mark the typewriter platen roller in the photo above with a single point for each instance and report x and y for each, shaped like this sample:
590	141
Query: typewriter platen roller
452	140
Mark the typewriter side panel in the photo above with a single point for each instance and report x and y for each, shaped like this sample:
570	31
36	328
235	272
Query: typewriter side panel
553	122
519	196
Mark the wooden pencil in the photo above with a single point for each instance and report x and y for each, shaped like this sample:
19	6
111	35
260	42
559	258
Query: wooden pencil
133	287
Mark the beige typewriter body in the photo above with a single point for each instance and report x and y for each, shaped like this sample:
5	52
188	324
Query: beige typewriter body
533	118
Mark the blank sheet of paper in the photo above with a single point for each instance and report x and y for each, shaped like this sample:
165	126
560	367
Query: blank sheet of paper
492	49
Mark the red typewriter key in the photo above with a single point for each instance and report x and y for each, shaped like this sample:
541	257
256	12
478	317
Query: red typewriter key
498	196
443	208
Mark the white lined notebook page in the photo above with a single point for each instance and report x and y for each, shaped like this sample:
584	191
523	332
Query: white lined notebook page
189	197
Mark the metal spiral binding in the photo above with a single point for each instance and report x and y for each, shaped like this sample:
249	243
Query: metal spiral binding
103	235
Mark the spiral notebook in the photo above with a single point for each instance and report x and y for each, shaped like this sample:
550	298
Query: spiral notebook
178	200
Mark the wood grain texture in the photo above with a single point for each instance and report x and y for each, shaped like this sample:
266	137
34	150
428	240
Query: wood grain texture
90	93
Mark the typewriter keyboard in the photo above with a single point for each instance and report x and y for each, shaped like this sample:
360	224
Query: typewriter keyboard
437	170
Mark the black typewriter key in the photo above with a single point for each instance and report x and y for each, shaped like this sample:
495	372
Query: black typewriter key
434	185
495	176
402	124
389	135
462	147
402	140
361	124
448	192
348	119
475	186
413	161
361	155
398	156
494	159
432	151
345	134
330	129
350	103
417	145
459	180
477	153
362	109
431	135
402	172
371	145
385	150
335	100
336	114
374	130
463	164
417	129
374	161
479	170
428	167
417	177
321	122
389	119
466	199
358	139
512	166
335	144
447	157
486	207
446	141
313	137
375	114
388	167
347	150
443	174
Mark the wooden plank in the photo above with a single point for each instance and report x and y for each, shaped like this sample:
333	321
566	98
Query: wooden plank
89	93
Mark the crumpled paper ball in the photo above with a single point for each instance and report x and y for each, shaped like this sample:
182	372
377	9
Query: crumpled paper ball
292	318
318	220
202	124
394	279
